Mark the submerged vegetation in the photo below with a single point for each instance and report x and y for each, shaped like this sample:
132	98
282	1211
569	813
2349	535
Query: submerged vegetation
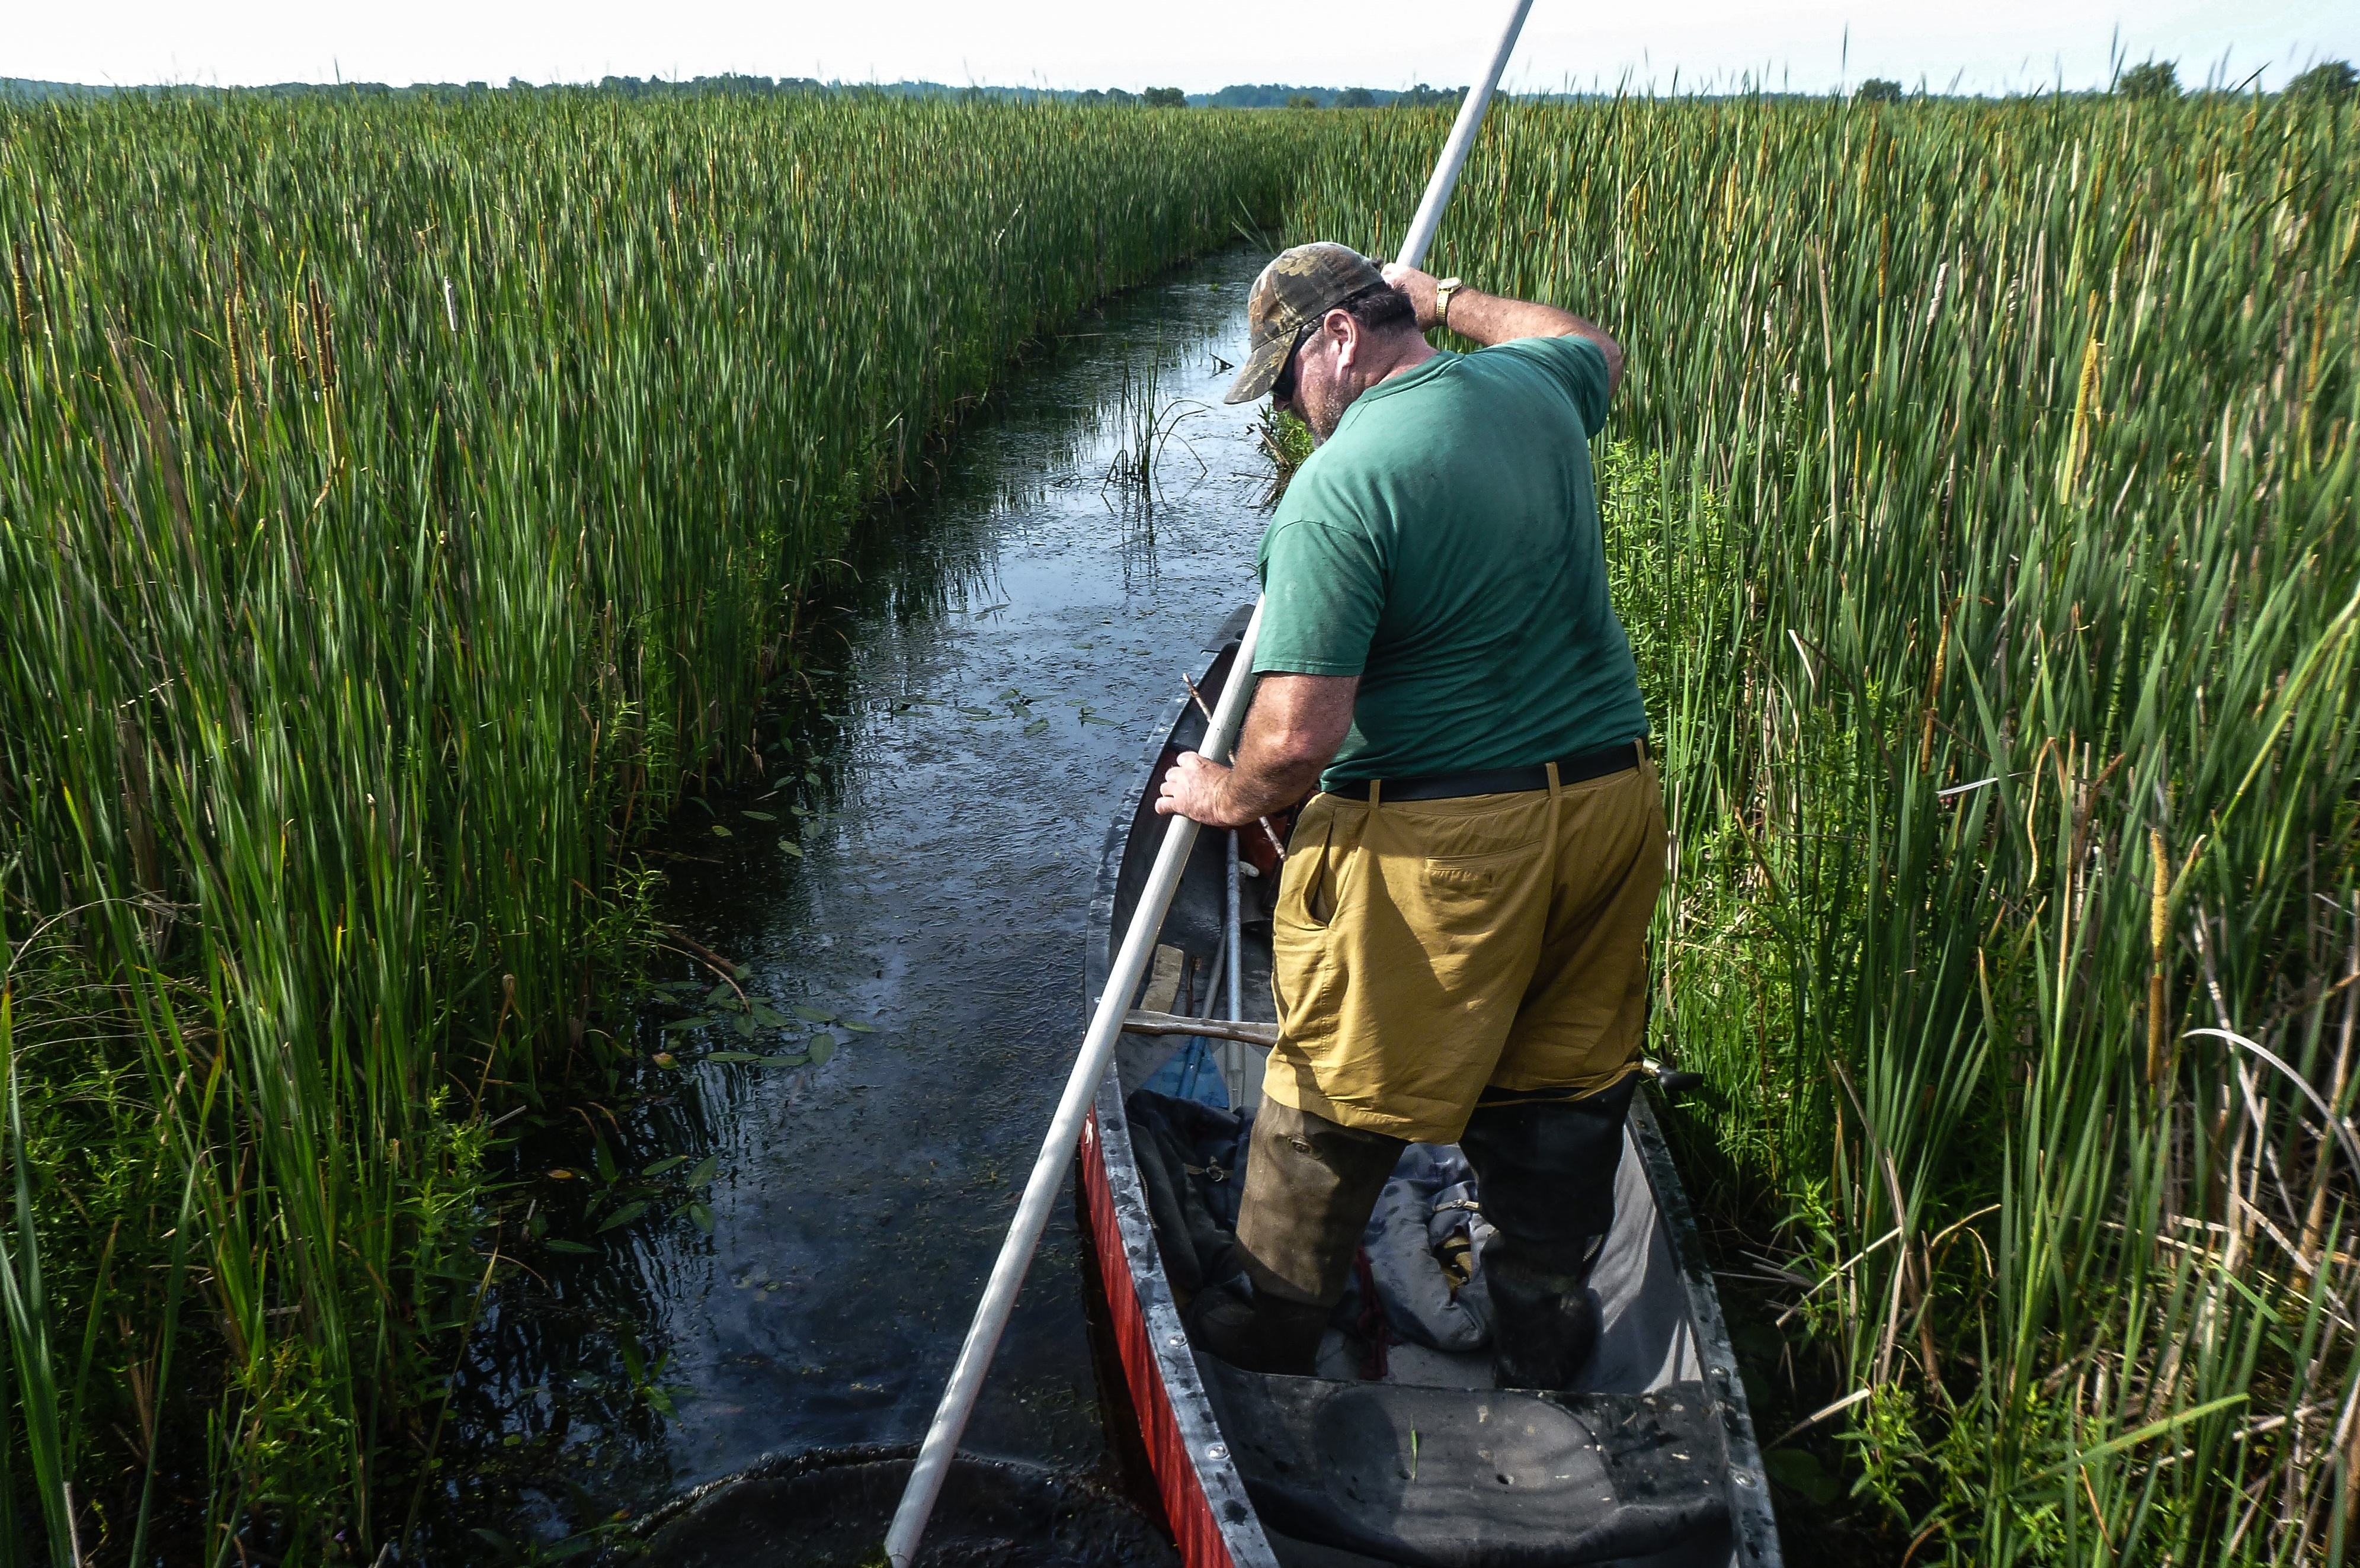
399	501
1987	531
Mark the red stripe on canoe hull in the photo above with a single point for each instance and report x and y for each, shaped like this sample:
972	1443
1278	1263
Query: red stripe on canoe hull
1184	1505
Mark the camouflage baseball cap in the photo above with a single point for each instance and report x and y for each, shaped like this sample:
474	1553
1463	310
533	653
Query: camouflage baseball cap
1296	288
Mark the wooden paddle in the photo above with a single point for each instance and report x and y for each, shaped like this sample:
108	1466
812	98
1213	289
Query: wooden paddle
1111	1007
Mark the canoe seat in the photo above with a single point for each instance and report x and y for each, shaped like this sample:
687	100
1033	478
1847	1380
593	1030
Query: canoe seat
1468	1479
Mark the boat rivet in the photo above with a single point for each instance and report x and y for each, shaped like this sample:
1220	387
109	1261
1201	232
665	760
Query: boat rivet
1217	1451
1176	1341
1743	1479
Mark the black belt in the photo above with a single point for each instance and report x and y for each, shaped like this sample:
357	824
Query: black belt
1589	764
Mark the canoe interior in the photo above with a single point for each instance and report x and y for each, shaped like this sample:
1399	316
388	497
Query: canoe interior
1661	1336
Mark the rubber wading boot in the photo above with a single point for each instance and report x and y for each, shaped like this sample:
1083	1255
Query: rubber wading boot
1263	1335
1544	1325
1310	1184
1546	1170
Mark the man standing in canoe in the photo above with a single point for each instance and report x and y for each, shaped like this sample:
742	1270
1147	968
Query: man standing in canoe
1460	946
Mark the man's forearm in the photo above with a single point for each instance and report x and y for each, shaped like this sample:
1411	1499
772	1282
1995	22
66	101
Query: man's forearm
1495	319
1275	766
1291	734
1491	318
1258	786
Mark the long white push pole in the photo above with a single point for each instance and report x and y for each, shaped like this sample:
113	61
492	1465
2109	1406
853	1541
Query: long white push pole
1454	151
1064	1129
933	1467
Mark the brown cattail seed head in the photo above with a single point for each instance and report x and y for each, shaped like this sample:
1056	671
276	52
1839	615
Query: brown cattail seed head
323	335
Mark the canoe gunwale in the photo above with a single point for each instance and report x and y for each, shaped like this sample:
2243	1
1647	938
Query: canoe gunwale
1753	1529
1108	1163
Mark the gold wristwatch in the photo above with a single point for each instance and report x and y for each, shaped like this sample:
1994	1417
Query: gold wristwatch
1442	293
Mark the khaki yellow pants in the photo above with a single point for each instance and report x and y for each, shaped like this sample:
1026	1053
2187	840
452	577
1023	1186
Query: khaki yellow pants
1429	954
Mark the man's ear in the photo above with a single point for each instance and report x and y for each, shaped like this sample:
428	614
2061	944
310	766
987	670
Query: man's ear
1340	326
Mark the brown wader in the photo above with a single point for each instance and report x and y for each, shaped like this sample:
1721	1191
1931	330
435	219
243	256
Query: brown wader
1467	969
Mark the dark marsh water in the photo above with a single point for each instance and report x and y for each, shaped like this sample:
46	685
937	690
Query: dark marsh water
1013	633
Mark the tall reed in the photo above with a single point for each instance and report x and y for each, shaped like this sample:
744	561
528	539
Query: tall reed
1991	545
398	499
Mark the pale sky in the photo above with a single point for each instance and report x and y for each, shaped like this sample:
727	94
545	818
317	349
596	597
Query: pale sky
1199	45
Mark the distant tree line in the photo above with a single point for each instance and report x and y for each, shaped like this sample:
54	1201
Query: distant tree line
2332	81
1274	95
2329	81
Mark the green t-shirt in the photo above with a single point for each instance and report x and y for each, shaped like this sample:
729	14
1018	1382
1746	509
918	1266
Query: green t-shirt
1443	545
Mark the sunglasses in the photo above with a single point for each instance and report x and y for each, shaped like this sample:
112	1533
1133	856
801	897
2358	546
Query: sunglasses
1282	391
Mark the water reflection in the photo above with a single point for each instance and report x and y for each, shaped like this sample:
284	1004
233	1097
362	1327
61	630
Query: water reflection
919	863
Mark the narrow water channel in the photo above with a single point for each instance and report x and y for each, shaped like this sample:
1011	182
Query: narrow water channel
908	895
